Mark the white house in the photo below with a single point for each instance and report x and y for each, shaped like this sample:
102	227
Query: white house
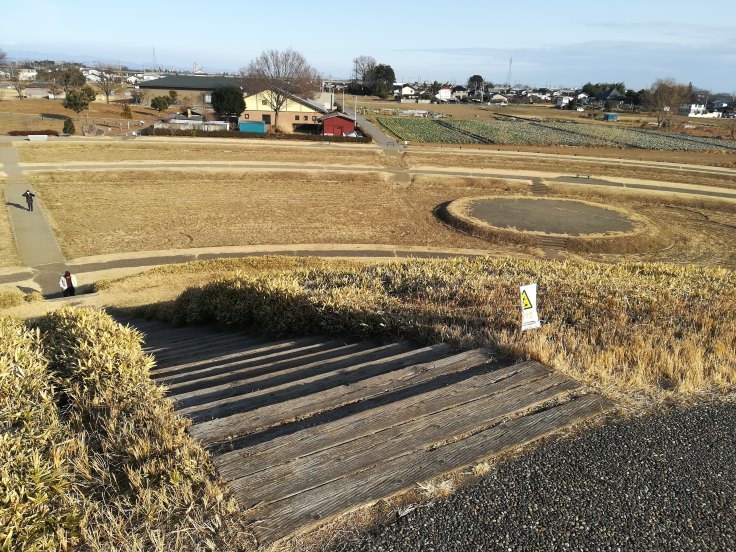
563	101
699	110
498	99
444	94
404	91
459	92
27	74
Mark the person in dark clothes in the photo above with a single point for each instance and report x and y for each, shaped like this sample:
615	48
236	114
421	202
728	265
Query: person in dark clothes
68	284
29	195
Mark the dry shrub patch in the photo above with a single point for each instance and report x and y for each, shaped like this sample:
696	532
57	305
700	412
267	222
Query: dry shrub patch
630	329
37	503
106	463
8	253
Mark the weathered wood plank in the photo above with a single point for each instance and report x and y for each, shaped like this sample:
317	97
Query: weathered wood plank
243	381
218	355
302	474
314	384
263	455
259	362
213	431
276	520
172	347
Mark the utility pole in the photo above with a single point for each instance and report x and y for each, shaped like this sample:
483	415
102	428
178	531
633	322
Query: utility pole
508	75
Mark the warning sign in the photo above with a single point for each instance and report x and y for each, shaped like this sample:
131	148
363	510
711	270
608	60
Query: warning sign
526	304
529	316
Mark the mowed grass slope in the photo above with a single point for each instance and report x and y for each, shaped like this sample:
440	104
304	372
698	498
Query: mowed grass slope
8	252
107	212
183	149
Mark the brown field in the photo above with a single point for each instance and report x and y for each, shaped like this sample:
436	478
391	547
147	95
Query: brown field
174	209
184	149
40	114
8	254
416	159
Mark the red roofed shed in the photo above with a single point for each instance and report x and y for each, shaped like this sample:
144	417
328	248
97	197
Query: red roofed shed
337	124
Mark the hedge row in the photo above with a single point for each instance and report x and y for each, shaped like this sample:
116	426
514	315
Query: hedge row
150	131
47	132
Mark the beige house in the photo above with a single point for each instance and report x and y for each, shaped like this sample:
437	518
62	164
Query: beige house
296	112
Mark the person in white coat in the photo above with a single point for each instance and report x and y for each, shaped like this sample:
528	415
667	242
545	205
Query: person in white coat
68	284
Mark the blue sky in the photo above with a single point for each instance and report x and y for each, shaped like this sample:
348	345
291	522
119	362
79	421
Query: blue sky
550	42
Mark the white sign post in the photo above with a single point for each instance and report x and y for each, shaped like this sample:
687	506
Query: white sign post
529	316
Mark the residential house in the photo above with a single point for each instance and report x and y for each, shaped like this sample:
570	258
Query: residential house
405	91
296	112
194	90
459	93
563	101
498	99
611	95
27	74
444	94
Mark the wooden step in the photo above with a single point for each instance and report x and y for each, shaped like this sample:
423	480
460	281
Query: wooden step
368	423
242	381
308	386
259	355
218	430
323	467
217	356
299	512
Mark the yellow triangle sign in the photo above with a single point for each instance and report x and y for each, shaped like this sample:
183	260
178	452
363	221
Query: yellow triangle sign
526	304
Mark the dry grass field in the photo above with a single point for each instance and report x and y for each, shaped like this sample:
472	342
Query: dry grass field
40	114
8	253
106	212
185	149
457	159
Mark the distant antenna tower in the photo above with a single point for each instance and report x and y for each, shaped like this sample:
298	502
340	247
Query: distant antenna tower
154	58
508	75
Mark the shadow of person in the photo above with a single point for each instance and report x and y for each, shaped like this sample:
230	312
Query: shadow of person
16	205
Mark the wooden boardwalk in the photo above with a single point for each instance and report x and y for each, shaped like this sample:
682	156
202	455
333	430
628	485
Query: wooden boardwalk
304	429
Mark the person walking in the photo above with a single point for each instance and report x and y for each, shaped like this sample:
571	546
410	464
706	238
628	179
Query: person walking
68	284
29	195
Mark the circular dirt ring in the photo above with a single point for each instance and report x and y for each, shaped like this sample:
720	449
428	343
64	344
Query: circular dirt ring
580	225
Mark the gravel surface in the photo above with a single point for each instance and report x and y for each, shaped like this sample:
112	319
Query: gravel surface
662	482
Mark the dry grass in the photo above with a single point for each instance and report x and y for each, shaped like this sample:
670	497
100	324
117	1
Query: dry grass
40	114
627	329
8	252
172	210
185	149
419	159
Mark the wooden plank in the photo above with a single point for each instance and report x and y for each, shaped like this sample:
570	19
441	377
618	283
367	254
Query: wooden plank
200	345
168	340
305	473
243	381
217	355
308	386
213	431
279	519
282	449
251	351
261	358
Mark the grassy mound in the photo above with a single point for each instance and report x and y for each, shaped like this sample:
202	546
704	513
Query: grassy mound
631	328
128	476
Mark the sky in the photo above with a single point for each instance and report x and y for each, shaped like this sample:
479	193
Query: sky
549	43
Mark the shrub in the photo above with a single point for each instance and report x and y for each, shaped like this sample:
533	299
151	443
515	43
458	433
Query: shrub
33	297
9	299
36	510
145	483
69	127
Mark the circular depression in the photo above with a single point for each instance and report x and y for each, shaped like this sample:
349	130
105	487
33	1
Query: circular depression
549	216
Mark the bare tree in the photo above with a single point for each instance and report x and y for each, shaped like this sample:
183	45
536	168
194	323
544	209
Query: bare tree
666	96
363	67
109	82
282	75
18	83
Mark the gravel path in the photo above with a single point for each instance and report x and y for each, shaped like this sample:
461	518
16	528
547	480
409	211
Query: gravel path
663	482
